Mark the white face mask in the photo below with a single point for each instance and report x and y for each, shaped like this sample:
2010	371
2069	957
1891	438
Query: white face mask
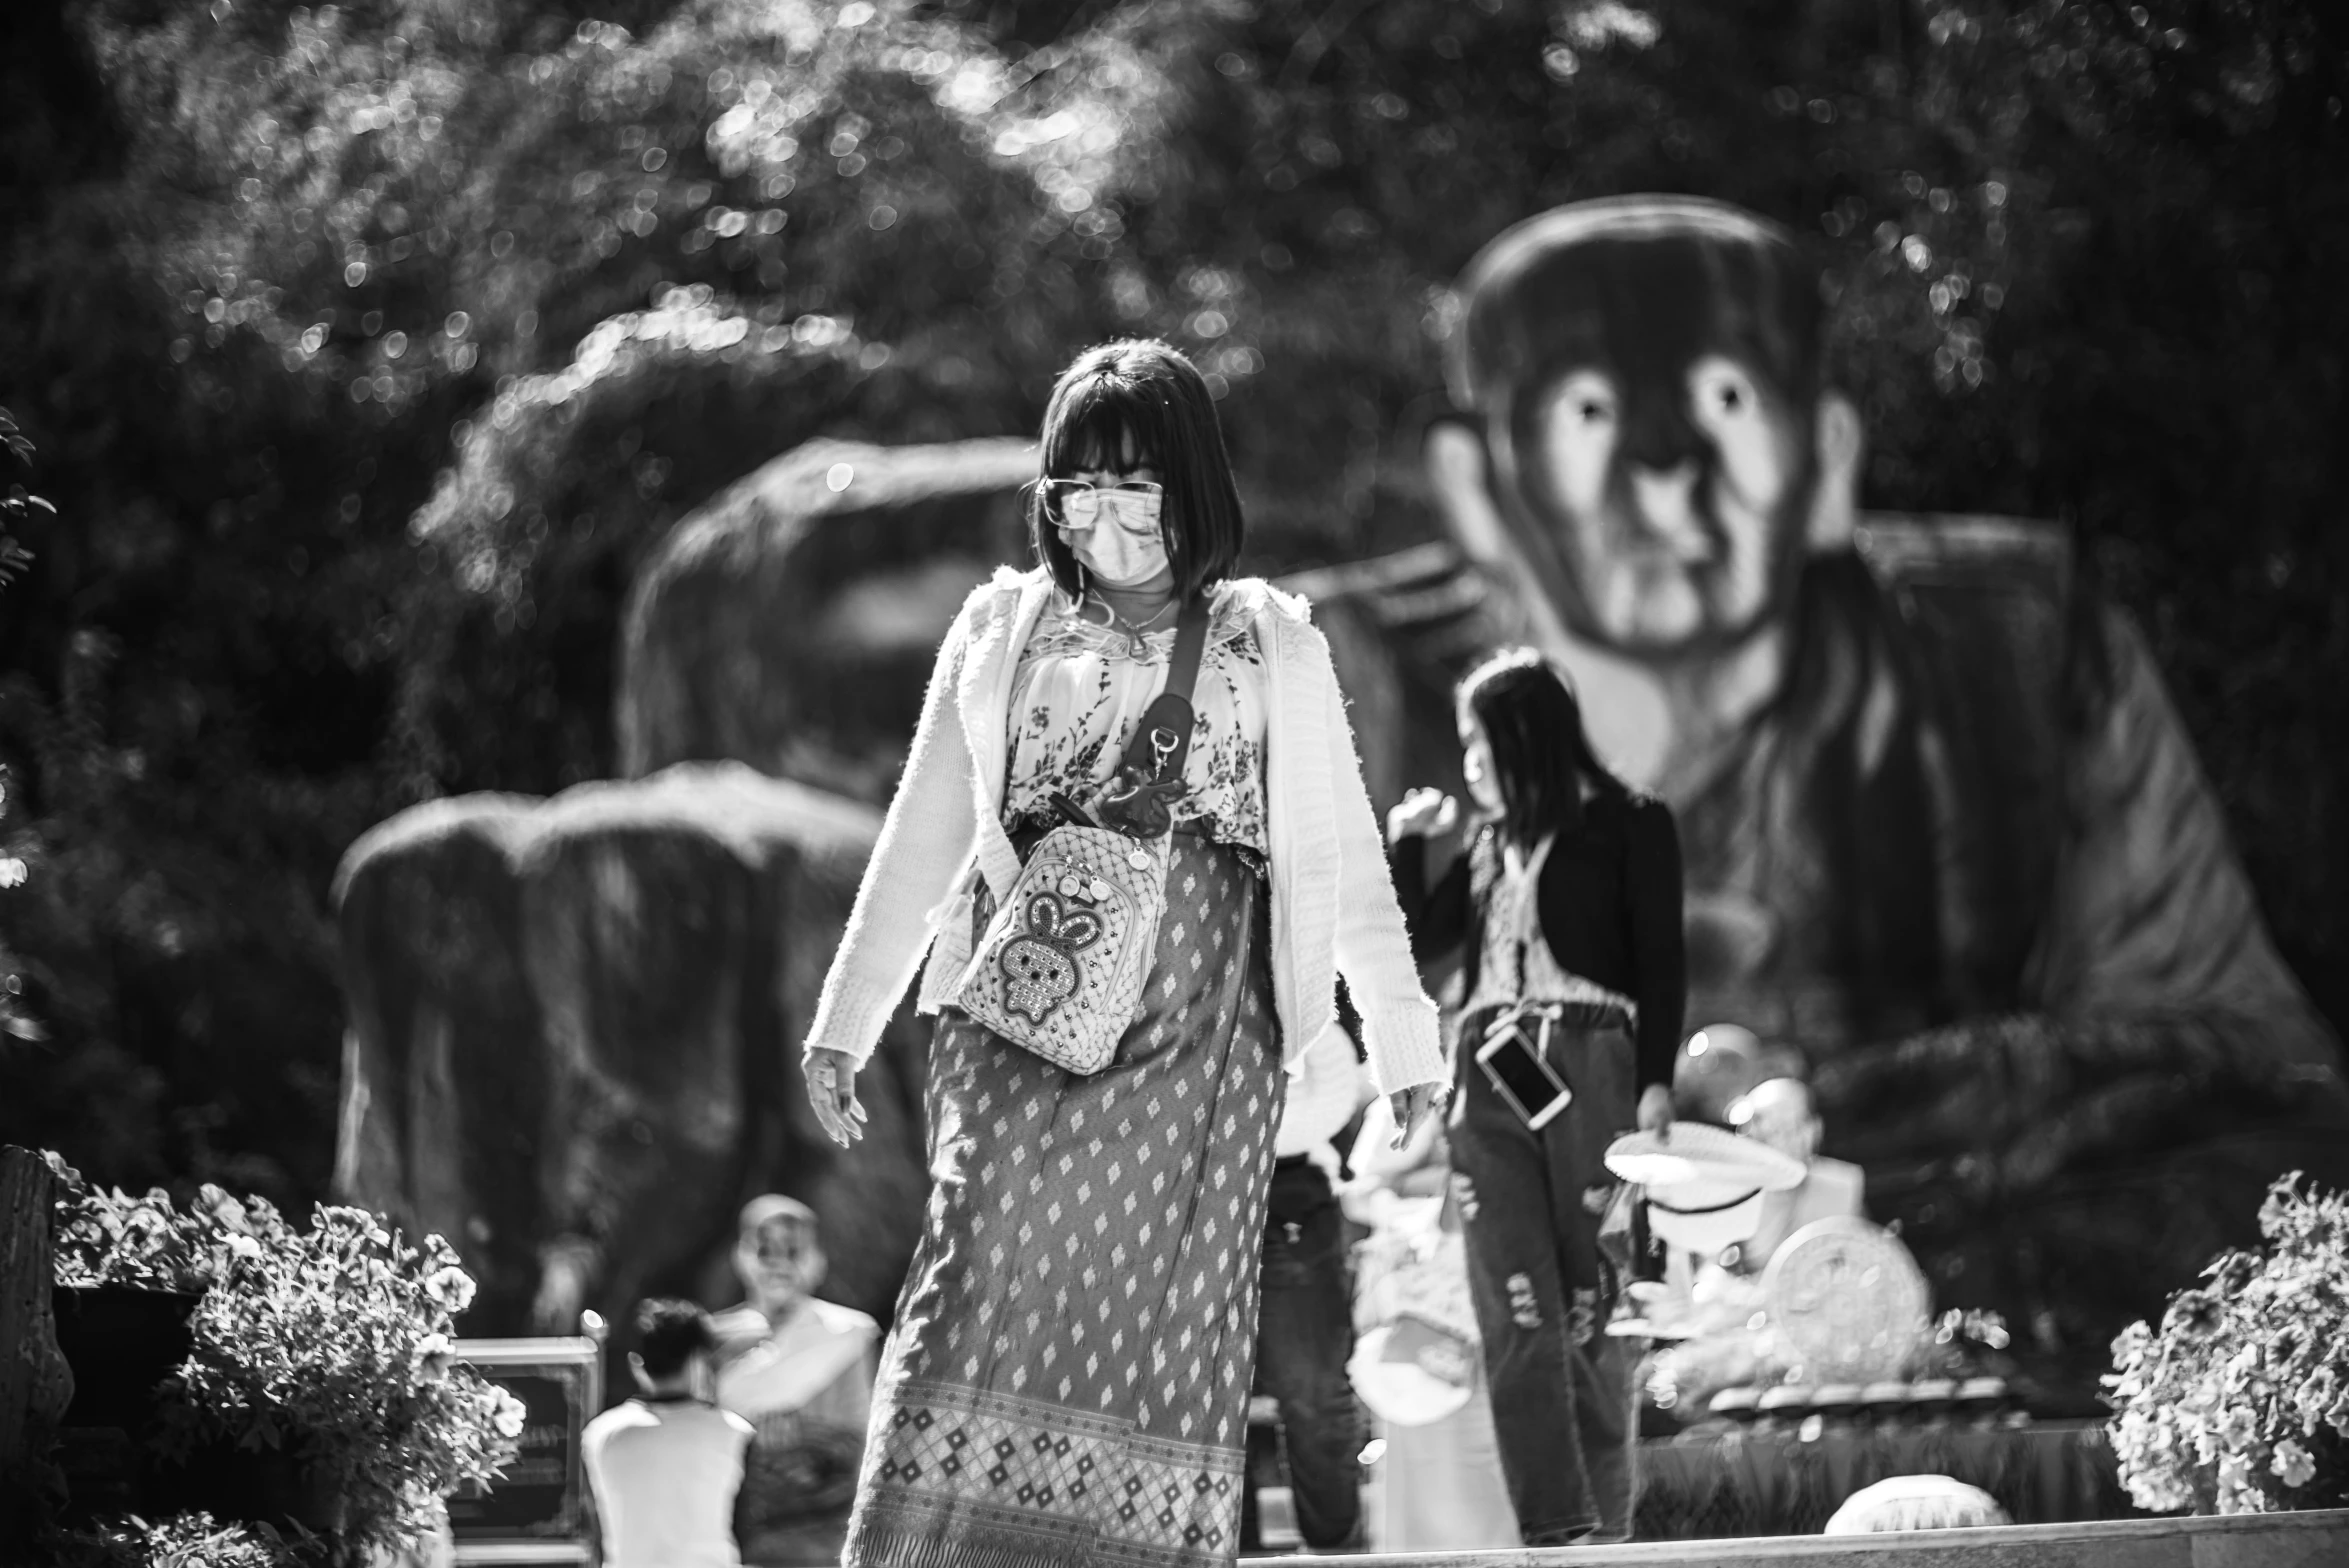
1124	546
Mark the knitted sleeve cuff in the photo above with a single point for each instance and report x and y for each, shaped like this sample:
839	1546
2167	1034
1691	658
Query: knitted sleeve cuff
1405	1044
849	1018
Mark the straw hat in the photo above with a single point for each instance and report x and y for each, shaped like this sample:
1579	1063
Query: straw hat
1704	1185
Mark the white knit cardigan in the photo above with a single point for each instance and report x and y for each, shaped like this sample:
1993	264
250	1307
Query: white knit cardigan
1333	909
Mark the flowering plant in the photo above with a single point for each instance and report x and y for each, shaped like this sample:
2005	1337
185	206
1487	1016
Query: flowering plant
332	1343
2240	1402
184	1541
112	1238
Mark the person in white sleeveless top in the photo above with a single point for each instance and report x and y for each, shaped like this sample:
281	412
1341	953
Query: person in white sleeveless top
665	1465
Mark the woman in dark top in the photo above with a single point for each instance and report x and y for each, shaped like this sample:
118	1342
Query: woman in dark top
1566	907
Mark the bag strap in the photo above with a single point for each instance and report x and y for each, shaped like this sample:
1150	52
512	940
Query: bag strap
1161	742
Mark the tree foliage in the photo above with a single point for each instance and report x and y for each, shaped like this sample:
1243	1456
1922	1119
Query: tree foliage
369	347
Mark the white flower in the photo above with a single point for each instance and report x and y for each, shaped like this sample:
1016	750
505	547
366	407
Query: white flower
2314	1395
508	1418
244	1247
2293	1463
2236	1428
2205	1440
2237	1493
2156	1491
434	1356
451	1288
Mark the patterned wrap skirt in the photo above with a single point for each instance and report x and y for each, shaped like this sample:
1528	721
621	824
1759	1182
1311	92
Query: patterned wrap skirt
1067	1381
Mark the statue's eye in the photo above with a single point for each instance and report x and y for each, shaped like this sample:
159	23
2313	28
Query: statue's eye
1721	390
1583	408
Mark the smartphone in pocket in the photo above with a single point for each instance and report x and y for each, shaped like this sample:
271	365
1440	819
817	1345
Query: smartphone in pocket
1515	1060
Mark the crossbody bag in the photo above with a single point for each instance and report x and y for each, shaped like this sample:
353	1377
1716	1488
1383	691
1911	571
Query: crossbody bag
1061	966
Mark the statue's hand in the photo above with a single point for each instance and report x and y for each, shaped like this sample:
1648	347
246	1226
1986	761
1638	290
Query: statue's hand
1962	1087
831	1090
1423	813
2006	1102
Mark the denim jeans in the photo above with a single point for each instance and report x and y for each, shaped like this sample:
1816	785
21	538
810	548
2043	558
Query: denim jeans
1304	1334
1530	1207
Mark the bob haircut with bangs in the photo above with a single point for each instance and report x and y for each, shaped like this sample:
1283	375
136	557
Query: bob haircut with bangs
1143	395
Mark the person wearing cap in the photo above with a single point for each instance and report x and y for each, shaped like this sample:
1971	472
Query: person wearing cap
800	1370
1566	909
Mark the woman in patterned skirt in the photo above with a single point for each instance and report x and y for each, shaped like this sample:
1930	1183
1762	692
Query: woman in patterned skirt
1067	1379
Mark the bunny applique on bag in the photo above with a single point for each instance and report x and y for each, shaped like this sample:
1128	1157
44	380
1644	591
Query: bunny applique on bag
1061	966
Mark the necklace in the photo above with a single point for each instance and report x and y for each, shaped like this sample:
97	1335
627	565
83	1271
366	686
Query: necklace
1136	648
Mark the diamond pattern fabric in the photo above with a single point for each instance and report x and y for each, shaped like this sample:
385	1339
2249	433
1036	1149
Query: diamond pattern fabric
1068	1379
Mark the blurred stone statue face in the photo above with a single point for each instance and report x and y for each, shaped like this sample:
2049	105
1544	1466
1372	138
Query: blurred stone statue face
1644	377
1672	501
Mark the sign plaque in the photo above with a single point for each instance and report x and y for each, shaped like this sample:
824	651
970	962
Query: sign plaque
539	1510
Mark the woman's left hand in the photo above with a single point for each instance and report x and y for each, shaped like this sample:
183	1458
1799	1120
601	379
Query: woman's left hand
1410	1107
1655	1108
831	1091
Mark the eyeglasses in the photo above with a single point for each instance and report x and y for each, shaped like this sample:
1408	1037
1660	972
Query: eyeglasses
1132	504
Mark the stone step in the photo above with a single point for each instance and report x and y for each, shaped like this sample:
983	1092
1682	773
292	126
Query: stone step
2315	1539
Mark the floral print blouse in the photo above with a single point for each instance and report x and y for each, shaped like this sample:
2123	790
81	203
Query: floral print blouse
1079	690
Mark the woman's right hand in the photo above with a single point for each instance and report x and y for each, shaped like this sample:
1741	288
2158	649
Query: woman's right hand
831	1090
1423	813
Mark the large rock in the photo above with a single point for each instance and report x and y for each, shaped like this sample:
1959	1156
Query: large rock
790	624
574	1032
442	1102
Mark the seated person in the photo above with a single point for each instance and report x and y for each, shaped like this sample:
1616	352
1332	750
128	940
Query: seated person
801	1371
1780	1113
664	1466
